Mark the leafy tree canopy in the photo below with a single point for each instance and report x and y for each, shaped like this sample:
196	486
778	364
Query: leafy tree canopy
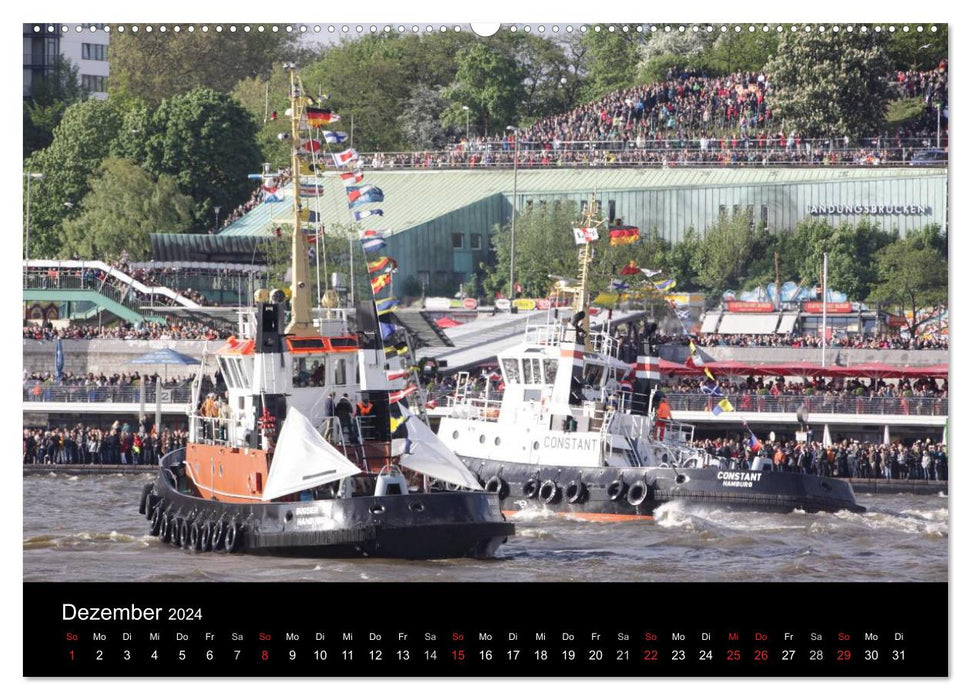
123	206
831	84
152	67
912	276
207	142
85	136
50	96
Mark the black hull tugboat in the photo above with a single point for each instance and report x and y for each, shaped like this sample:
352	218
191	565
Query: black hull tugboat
440	525
572	435
279	468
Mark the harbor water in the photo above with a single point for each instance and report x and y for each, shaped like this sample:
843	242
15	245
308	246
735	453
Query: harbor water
87	528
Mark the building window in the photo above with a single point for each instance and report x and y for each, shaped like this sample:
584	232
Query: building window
764	217
475	241
458	240
611	209
94	52
93	83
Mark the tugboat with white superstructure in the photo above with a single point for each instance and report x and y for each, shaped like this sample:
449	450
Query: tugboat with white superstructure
571	435
279	471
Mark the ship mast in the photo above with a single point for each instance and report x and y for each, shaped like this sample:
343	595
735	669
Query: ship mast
585	258
301	322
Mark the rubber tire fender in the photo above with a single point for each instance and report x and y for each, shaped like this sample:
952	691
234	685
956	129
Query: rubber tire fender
195	536
531	488
205	536
498	486
234	533
637	493
576	492
143	501
157	517
176	529
552	491
218	539
184	531
616	489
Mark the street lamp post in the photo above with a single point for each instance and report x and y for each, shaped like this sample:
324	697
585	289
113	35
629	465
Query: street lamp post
938	105
466	122
515	196
217	208
30	176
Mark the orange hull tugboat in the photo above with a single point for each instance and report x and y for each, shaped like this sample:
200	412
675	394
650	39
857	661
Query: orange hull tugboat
287	467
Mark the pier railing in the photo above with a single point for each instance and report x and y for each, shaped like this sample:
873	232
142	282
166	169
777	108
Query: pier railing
854	405
45	393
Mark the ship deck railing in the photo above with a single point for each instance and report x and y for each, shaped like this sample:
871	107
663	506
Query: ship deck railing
554	333
474	407
213	431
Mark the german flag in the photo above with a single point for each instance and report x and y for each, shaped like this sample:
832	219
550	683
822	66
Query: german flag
320	117
624	235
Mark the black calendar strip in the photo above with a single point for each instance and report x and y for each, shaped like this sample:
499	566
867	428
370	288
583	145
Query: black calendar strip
495	629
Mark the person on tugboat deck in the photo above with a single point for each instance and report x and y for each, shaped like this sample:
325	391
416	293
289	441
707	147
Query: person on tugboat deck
662	417
345	413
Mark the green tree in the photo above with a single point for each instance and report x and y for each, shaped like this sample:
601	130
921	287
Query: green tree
831	83
85	136
851	254
746	51
124	205
366	81
207	142
50	96
420	128
154	66
261	97
544	247
915	50
611	60
913	276
723	259
489	82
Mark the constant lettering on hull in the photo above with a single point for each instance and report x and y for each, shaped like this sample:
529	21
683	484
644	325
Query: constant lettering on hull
569	442
739	479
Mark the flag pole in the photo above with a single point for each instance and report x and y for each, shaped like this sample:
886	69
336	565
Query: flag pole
823	343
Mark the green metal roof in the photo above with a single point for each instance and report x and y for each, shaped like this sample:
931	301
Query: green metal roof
413	197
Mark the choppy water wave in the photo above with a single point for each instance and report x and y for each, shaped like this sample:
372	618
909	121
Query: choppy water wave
80	539
88	528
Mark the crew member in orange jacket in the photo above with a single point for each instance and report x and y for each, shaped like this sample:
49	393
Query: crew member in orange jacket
661	417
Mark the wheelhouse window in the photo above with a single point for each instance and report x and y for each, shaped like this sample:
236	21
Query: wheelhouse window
309	370
592	374
549	370
510	368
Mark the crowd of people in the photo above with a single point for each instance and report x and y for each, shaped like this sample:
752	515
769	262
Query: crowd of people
174	330
686	119
923	460
818	386
860	341
99	387
121	443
